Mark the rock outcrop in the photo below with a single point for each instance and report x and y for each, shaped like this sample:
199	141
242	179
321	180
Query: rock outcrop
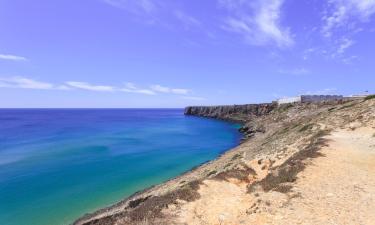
238	113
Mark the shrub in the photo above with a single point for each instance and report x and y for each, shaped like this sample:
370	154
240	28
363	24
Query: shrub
369	97
306	127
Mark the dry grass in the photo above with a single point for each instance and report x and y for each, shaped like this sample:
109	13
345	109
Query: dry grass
239	174
278	180
148	210
306	127
152	207
347	106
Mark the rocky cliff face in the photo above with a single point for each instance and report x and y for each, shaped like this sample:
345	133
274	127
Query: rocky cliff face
238	113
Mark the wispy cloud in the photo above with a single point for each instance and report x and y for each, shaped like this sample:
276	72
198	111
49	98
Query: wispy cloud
162	89
138	91
259	22
89	87
22	82
137	7
345	43
132	88
342	13
295	71
154	12
12	57
186	19
336	50
27	83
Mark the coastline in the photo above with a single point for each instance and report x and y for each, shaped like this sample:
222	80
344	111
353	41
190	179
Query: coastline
265	150
218	113
115	206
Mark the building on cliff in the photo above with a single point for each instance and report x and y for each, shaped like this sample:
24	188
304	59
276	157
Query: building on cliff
310	99
320	98
358	96
289	100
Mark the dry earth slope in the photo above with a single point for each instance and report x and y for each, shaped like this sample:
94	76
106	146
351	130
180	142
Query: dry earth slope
299	164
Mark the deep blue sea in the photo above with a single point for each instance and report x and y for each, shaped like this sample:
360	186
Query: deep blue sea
58	164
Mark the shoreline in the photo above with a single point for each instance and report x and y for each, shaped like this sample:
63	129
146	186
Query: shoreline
135	195
113	208
278	145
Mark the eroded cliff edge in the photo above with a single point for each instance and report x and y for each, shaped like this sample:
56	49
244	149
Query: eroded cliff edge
252	183
237	113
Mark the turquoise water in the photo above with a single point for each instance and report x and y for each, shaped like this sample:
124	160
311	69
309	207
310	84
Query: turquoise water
56	165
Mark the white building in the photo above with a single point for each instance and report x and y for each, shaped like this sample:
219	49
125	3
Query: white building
289	100
358	96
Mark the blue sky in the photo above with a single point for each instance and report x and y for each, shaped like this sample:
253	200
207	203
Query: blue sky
173	53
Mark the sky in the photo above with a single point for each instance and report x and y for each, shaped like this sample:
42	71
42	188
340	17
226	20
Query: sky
174	53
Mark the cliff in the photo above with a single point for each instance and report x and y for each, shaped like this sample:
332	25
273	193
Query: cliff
301	163
238	113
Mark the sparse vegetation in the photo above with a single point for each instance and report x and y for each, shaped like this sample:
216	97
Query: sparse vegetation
151	206
236	156
283	188
239	174
347	106
369	97
306	127
287	172
331	109
284	107
212	173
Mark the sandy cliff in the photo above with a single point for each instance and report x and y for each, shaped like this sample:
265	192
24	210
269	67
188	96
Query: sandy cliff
300	164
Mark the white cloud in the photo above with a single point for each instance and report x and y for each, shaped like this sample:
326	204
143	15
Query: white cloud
259	22
130	85
138	91
26	83
350	59
132	88
186	19
162	89
296	71
194	98
180	91
89	87
145	91
344	13
345	43
12	57
137	7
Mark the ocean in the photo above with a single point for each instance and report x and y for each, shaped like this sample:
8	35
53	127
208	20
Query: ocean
58	164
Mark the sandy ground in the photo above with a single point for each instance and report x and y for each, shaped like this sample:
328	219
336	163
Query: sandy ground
335	188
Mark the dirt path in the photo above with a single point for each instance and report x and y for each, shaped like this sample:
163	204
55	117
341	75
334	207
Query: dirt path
336	188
